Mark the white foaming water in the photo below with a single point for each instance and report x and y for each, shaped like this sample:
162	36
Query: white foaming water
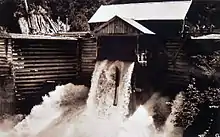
51	110
138	125
66	113
101	118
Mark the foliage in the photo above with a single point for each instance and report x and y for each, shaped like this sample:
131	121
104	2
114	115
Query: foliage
189	109
78	12
207	63
193	99
7	9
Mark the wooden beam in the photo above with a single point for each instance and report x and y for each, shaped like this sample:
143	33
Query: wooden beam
42	37
121	35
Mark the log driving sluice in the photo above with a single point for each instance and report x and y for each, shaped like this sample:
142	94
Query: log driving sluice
160	43
153	41
172	43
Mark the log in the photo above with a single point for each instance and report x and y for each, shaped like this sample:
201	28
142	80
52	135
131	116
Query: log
23	25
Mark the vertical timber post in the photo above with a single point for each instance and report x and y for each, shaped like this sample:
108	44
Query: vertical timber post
13	86
117	80
183	28
137	48
97	46
9	81
79	57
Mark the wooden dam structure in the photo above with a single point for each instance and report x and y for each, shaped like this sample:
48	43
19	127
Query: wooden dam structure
161	44
154	40
160	41
32	65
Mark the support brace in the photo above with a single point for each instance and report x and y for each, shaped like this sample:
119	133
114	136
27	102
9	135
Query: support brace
117	80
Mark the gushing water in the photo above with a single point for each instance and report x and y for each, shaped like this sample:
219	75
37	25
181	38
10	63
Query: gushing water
74	111
53	109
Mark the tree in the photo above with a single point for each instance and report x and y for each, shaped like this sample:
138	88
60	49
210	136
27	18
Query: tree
7	9
78	12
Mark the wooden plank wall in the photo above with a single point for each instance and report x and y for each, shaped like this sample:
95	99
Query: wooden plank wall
5	68
118	26
178	66
87	55
38	61
6	78
87	58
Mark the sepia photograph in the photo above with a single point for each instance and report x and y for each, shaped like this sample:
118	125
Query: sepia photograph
109	68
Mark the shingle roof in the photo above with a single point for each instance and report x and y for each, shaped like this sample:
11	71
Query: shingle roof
174	10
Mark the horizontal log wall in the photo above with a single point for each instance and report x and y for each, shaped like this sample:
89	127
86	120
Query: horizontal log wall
39	61
88	57
5	68
6	78
178	66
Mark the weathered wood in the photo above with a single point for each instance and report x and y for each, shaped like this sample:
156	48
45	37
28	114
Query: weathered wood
43	49
46	53
44	57
87	57
38	61
27	70
40	37
45	72
6	78
178	66
30	88
42	80
44	76
116	26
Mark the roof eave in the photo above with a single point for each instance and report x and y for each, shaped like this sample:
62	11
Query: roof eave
94	19
144	32
181	19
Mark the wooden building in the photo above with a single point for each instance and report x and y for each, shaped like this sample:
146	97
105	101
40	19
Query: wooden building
87	58
32	65
39	64
150	34
173	55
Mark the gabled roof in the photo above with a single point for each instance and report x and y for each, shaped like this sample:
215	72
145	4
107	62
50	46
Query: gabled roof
173	10
137	25
131	22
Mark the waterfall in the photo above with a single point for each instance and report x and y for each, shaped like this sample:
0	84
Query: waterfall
76	111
